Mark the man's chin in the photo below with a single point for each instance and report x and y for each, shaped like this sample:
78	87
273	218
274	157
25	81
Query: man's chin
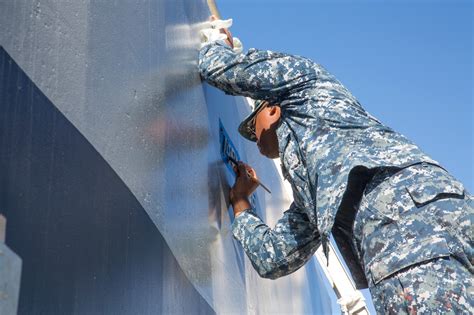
271	156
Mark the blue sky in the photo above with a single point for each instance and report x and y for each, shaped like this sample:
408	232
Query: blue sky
410	63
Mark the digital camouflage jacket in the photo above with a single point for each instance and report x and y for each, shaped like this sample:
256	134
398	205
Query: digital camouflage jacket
328	145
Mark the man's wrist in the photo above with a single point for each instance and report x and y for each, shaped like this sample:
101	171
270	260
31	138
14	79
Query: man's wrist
240	204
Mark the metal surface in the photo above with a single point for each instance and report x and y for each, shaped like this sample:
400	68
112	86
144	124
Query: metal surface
10	272
86	243
110	160
3	227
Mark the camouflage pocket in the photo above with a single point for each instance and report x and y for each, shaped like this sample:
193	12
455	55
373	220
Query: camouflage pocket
410	254
436	184
401	215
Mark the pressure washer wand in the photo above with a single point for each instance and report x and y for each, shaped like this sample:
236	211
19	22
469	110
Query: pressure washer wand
248	174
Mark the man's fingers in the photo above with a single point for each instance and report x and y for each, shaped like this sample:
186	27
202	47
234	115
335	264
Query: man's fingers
241	170
253	173
244	167
249	172
246	181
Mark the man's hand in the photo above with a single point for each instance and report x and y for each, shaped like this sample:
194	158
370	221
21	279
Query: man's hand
230	39
245	184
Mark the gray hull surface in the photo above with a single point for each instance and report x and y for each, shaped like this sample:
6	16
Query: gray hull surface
111	171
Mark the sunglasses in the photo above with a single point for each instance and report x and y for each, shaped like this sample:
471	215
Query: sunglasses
253	121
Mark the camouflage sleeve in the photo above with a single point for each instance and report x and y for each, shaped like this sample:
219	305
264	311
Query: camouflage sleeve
279	251
258	74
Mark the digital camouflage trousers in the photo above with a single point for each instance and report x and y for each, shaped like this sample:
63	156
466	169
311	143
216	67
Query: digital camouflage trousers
414	234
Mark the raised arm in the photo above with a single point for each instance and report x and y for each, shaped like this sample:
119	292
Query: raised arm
258	74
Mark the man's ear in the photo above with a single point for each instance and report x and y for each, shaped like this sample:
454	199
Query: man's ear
275	111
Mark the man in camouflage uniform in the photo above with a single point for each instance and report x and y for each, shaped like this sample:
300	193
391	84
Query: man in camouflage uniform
402	223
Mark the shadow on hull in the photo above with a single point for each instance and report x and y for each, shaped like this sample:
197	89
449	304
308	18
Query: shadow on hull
86	243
